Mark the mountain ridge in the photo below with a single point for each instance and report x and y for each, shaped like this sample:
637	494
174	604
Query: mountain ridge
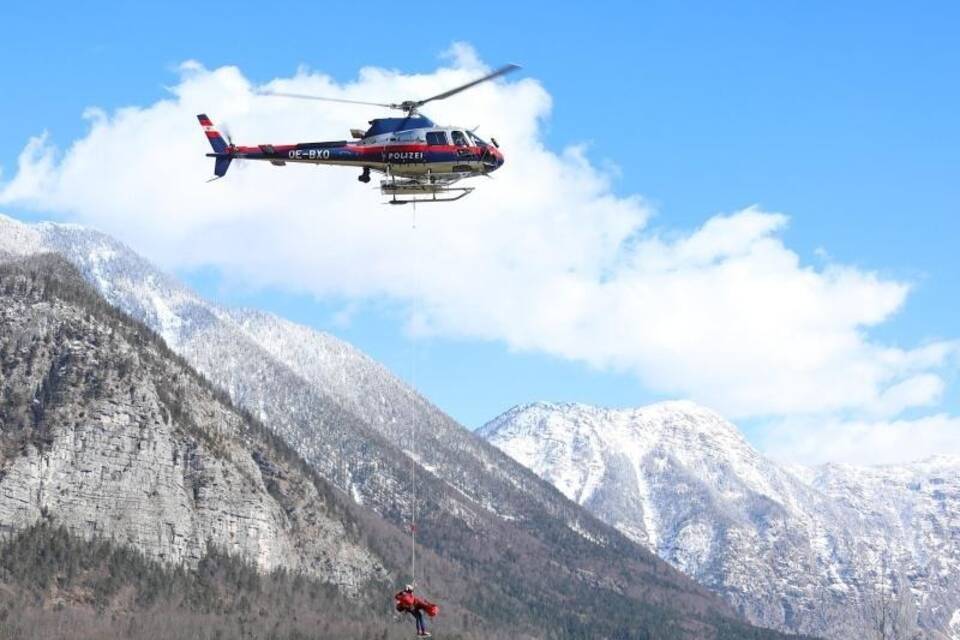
122	439
795	549
485	516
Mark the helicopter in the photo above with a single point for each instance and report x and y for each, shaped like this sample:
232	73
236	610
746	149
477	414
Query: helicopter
420	161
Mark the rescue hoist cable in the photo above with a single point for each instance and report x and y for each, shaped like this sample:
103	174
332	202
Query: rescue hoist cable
413	419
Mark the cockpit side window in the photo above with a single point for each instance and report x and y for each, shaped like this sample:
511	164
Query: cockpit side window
459	139
408	136
436	138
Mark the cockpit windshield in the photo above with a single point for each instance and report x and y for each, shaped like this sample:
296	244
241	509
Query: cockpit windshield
477	140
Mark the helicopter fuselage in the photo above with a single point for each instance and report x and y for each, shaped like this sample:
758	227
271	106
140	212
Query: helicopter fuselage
390	147
422	162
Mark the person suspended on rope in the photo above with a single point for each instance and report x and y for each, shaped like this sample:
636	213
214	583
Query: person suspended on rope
407	602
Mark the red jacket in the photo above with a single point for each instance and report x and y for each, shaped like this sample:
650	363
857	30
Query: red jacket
408	602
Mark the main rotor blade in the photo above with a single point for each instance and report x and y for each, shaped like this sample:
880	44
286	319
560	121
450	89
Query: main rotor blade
490	76
304	96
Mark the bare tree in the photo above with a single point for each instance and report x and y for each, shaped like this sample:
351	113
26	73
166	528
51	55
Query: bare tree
888	606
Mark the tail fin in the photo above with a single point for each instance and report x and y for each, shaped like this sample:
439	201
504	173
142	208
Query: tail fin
220	147
216	140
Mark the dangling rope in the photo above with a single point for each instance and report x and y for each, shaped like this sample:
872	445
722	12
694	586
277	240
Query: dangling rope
413	419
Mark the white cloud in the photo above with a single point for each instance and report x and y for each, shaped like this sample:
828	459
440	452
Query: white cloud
544	257
924	389
863	442
35	168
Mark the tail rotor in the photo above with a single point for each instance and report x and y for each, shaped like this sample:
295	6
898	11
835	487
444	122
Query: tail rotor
225	128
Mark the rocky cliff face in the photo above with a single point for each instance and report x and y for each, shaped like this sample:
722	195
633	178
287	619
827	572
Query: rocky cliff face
109	434
911	522
806	552
544	562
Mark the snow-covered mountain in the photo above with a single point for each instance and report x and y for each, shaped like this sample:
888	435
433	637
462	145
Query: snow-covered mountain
104	431
545	563
802	550
265	363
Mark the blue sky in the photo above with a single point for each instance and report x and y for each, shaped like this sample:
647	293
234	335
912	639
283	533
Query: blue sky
842	115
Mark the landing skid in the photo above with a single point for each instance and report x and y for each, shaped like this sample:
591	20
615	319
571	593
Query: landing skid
432	187
461	193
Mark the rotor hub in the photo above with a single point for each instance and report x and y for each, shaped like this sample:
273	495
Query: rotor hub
410	106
